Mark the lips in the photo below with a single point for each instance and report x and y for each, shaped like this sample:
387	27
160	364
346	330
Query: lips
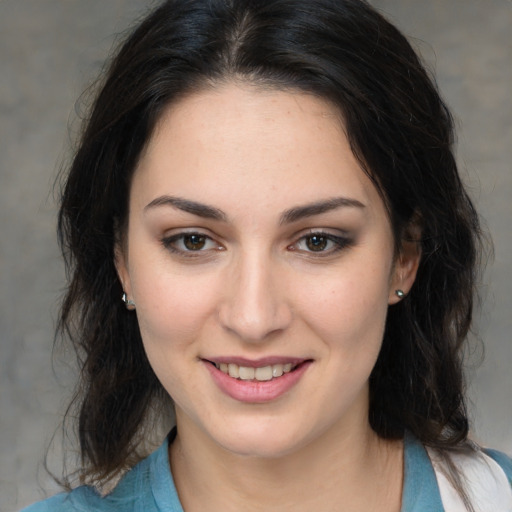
260	373
256	381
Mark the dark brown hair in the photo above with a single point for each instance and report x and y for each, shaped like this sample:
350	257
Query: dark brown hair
398	128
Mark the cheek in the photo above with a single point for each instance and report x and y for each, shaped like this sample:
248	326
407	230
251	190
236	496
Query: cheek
350	303
171	308
172	313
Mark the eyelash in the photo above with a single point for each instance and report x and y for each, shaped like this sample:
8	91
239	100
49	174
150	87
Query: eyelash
340	243
170	241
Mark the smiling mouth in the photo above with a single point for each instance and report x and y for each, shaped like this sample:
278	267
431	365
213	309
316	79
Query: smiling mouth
261	374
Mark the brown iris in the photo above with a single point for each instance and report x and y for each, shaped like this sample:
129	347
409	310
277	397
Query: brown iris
194	242
317	243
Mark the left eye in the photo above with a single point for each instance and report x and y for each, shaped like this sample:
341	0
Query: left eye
321	243
189	242
194	242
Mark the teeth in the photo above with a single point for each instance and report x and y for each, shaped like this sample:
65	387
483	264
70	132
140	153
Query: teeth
233	371
263	373
246	373
277	370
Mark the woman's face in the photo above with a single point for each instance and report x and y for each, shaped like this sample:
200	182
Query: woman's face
260	258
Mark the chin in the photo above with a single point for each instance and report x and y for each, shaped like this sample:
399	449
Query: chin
261	439
260	446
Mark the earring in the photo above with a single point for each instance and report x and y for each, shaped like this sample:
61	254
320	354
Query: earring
400	294
130	305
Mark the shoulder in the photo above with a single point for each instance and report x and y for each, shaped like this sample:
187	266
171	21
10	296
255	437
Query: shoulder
73	501
486	477
55	503
86	499
148	486
130	490
429	483
503	460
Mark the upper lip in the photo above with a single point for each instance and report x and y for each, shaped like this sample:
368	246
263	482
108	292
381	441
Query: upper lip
256	363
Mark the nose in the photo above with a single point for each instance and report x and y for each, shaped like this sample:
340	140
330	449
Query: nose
255	304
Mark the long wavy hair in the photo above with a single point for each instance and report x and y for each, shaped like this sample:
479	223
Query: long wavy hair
399	129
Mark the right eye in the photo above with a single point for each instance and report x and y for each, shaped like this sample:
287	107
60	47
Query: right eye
321	243
187	244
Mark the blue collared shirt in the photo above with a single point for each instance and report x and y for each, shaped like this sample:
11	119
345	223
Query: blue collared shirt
149	486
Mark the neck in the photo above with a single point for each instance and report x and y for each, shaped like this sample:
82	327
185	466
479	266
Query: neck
353	467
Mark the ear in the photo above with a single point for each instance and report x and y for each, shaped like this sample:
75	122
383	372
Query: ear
407	261
120	262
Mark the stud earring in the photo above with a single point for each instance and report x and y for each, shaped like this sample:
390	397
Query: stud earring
400	294
130	305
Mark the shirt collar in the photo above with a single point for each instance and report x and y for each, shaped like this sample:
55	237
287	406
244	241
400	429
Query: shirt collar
420	492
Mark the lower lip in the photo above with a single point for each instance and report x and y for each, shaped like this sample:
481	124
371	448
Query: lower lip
253	391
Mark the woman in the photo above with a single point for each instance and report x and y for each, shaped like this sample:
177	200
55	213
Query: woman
270	188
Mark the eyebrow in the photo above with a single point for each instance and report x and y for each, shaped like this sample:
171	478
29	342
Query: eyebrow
288	216
316	208
185	205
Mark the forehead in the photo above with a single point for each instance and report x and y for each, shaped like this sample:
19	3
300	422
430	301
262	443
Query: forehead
261	146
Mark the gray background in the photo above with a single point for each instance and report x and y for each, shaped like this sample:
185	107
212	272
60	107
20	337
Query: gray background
50	50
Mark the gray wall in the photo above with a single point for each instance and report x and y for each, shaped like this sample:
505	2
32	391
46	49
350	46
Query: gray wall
51	49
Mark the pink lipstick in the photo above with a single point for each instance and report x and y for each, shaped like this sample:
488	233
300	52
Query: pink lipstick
256	381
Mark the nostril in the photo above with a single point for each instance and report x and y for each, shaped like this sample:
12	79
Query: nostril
257	323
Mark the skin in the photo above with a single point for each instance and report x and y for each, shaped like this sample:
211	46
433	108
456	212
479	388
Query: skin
255	287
